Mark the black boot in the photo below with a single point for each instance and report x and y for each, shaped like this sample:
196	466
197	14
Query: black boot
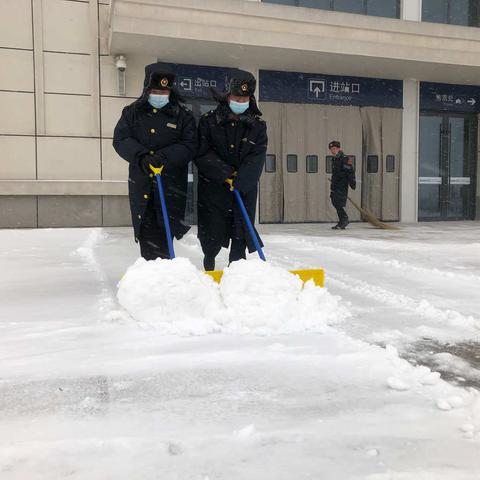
336	227
208	263
342	225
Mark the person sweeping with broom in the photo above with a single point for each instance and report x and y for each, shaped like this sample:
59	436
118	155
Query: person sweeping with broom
230	158
343	176
157	131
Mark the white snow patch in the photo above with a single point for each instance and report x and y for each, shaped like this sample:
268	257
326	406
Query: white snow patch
245	432
443	404
397	384
253	297
172	295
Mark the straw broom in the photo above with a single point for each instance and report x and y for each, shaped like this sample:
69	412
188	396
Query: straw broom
370	218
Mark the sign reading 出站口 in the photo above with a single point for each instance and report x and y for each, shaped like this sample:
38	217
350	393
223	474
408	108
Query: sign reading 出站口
197	80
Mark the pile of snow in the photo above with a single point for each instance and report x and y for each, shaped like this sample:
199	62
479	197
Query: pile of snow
253	297
172	295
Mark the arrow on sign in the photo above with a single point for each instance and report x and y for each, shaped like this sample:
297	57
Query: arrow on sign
317	87
472	101
186	83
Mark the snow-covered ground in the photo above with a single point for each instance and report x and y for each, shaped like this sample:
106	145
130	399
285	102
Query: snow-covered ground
375	377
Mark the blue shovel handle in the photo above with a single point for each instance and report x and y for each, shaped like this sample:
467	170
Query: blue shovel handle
166	222
251	230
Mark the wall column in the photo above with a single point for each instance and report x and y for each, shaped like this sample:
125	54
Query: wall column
409	166
412	11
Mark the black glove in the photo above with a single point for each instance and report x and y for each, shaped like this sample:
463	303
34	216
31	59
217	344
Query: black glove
353	184
156	160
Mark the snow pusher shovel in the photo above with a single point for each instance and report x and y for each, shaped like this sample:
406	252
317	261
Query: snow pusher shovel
317	274
166	223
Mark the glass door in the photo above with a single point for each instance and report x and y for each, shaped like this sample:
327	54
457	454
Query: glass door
198	108
459	168
429	175
447	167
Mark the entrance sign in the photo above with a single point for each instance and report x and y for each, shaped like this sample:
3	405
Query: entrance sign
295	87
449	98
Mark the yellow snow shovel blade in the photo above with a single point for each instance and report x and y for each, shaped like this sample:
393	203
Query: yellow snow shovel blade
315	274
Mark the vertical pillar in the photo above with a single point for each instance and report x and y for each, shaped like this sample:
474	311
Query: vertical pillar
409	165
412	11
477	191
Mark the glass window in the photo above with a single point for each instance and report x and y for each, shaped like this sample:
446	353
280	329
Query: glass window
455	12
390	163
435	11
282	2
383	8
322	4
372	164
312	163
350	6
430	137
291	163
271	163
459	12
329	164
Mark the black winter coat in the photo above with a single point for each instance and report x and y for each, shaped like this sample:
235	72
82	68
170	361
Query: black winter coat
228	144
343	175
144	130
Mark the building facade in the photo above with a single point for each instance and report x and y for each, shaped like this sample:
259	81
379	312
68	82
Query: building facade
394	81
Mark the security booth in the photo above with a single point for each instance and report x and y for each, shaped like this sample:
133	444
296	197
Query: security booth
304	112
448	154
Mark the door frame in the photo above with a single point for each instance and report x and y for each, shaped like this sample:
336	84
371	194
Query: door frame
471	123
192	192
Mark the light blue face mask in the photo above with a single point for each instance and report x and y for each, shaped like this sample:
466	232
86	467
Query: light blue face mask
238	107
158	101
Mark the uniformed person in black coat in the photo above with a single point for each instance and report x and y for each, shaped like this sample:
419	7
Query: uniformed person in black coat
156	130
343	176
232	150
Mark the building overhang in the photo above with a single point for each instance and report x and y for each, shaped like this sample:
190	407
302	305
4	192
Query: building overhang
245	33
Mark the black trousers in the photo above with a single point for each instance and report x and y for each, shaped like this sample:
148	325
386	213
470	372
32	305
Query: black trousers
152	238
339	199
342	214
238	248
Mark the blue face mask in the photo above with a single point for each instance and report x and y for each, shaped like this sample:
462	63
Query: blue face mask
238	107
158	101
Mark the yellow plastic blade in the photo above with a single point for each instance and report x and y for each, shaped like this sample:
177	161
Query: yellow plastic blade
315	274
156	171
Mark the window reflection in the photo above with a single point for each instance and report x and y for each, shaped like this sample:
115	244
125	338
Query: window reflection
379	8
350	6
455	12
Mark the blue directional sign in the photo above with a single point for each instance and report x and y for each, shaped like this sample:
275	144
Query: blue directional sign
449	98
197	80
294	87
